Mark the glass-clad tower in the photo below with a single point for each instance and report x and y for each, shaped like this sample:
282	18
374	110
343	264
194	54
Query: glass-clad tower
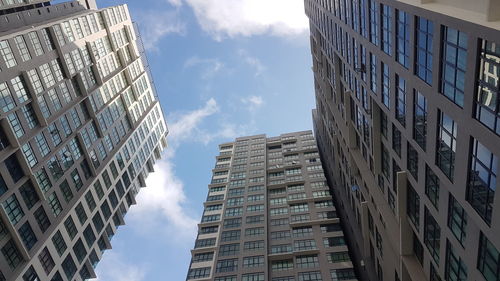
269	215
80	129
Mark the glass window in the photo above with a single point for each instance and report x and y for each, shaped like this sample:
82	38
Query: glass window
281	265
22	47
432	235
42	144
30	115
488	261
79	250
226	265
4	142
231	235
434	275
385	162
432	186
29	194
89	236
204	243
386	29
310	276
457	219
342	274
250	277
70	226
420	119
6	100
482	180
412	161
59	243
66	191
373	73
7	54
19	86
197	273
47	75
42	219
488	92
54	203
69	267
362	18
30	275
396	140
374	22
455	268
386	85
255	261
29	155
253	245
446	145
307	261
401	100
46	260
47	39
11	254
43	180
403	38
423	56
37	45
454	63
413	206
255	231
310	244
13	209
418	250
16	125
27	235
201	257
15	170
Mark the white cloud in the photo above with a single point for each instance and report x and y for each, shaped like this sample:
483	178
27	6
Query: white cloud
253	102
164	195
210	66
113	267
252	61
176	3
156	24
185	126
229	18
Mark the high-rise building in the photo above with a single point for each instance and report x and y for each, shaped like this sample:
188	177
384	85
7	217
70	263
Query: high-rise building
269	215
408	129
80	129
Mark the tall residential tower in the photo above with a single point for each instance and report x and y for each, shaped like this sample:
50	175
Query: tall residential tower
408	128
80	129
269	215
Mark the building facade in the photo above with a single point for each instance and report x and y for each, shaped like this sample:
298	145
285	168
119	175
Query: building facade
80	129
269	215
407	122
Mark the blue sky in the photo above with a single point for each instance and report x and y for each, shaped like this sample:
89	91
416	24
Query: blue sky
223	69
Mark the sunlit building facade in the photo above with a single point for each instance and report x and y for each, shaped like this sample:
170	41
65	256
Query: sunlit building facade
407	122
269	215
80	129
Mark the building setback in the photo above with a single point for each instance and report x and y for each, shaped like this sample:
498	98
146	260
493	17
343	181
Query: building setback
269	215
408	129
80	129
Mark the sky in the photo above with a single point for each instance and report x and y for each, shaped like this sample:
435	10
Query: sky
222	69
